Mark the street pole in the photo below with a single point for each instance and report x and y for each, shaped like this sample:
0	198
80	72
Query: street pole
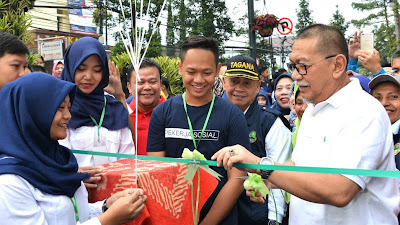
100	18
283	59
106	24
252	34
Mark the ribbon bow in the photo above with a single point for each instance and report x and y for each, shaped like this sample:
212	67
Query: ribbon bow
192	168
195	164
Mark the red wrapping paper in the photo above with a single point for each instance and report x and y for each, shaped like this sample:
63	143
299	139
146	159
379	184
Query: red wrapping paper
168	196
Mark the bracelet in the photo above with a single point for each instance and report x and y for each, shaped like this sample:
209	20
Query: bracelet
104	207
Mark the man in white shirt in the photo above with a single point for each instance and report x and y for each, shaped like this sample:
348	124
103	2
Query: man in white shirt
343	127
268	135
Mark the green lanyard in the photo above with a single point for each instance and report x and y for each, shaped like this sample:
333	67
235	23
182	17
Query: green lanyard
101	118
190	123
75	208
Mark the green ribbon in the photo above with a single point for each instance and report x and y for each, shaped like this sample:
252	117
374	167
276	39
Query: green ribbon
190	123
357	172
73	201
98	125
192	168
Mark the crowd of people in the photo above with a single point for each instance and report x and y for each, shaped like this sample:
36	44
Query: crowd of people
322	114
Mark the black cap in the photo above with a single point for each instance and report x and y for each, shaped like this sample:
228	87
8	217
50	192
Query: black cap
242	66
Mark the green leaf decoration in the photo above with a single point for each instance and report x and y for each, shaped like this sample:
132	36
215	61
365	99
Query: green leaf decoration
187	154
211	172
254	181
191	171
191	168
286	196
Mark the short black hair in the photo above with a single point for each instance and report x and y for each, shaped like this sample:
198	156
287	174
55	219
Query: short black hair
262	69
11	44
396	55
145	64
38	68
165	82
282	71
201	42
331	40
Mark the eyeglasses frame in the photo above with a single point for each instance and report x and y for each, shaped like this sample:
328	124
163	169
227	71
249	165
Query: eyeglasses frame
308	64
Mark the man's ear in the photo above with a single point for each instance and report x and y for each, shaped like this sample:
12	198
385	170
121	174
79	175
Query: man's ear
128	85
180	67
340	66
218	69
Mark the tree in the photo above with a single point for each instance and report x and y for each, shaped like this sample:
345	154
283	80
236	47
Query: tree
209	18
385	40
304	17
339	21
14	20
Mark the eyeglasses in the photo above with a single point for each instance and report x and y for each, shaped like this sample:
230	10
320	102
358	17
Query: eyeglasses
302	67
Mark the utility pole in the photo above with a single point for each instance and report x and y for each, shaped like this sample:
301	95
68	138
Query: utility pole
283	58
100	18
252	34
106	24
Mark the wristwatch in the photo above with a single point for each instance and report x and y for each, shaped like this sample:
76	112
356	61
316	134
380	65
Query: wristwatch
266	161
104	207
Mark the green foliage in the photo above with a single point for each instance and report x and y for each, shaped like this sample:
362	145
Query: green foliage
209	18
385	42
374	17
118	49
384	35
14	20
121	61
32	58
170	70
154	49
339	21
304	17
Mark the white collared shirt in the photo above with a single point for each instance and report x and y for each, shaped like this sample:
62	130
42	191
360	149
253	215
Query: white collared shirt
396	127
84	138
349	130
21	203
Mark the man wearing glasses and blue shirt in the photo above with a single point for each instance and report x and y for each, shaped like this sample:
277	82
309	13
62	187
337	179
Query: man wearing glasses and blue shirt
342	127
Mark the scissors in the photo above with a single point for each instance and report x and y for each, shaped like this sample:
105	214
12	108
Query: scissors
242	178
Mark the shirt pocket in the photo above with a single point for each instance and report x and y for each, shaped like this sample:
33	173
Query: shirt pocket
82	138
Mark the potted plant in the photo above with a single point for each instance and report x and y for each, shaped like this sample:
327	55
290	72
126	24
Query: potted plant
265	24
